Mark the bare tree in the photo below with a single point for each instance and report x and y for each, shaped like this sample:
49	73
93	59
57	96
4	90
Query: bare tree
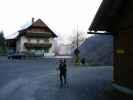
77	39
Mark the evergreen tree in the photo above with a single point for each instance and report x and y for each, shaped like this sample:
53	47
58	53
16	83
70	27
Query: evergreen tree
2	44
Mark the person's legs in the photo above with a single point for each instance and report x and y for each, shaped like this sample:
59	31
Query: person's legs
61	80
65	78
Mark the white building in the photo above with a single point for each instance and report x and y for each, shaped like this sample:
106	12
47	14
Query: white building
36	39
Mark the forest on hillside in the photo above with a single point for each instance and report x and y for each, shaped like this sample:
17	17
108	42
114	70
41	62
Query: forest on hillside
98	50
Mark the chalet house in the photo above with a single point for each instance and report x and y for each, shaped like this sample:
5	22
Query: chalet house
36	39
116	18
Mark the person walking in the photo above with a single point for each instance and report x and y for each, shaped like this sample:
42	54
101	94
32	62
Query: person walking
63	72
83	61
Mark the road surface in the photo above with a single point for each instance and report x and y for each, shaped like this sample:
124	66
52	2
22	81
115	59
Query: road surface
37	80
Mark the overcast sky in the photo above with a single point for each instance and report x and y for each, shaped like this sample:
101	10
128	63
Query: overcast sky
62	16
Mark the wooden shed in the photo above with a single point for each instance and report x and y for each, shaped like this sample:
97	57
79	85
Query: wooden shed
116	18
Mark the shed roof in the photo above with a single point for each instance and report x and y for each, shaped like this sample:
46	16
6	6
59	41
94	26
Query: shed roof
113	16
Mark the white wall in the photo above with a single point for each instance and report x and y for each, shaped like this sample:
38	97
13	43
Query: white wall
32	41
23	40
52	49
18	45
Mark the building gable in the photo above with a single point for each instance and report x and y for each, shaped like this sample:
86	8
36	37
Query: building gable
38	27
39	23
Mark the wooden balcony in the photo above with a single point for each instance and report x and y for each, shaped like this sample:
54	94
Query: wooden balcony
39	35
37	45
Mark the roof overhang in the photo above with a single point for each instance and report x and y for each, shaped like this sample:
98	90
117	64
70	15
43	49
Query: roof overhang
100	32
112	16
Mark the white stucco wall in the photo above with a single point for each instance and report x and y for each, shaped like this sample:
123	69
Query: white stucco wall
32	40
18	45
23	40
41	41
52	49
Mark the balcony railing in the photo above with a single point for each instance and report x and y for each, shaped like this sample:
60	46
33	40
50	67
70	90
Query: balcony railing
39	34
37	45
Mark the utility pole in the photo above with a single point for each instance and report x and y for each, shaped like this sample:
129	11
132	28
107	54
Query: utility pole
77	39
77	57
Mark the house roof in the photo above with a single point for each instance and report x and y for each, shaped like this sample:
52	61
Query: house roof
113	16
40	24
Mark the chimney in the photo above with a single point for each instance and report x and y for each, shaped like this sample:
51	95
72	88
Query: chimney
33	20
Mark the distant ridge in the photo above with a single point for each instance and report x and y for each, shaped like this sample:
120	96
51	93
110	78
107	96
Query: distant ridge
98	50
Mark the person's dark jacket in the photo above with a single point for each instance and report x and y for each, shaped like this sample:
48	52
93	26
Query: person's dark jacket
62	68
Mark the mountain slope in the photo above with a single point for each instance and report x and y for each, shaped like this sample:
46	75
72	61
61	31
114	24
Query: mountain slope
98	50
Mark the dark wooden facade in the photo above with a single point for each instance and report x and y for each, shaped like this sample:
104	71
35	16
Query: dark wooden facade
38	29
123	55
116	17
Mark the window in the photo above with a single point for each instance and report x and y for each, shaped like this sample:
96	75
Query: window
46	40
37	40
46	50
29	40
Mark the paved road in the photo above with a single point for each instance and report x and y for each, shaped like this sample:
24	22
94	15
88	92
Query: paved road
37	80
